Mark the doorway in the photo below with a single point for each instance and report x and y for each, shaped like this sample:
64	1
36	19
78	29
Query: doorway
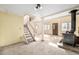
55	28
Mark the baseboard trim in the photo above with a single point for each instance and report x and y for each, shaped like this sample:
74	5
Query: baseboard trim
11	44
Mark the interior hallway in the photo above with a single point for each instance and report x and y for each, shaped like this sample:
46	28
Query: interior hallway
47	47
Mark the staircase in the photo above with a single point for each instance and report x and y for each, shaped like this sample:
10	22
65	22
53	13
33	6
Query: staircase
28	35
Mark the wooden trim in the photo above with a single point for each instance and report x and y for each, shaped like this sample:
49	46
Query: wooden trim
11	44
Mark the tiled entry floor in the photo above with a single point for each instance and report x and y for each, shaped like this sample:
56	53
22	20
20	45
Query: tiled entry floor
47	47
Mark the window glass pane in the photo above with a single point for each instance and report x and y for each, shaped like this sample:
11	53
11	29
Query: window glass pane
64	26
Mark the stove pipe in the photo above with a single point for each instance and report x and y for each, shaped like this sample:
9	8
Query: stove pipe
73	21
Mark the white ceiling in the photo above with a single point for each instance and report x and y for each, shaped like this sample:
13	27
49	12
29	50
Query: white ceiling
47	9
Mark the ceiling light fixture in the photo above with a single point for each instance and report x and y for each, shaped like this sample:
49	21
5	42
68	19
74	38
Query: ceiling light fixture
38	6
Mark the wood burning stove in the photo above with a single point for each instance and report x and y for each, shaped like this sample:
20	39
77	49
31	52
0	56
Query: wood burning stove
70	37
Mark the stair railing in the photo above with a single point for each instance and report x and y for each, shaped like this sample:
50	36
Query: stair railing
30	32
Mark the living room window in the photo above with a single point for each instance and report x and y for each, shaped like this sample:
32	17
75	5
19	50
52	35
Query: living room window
66	26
